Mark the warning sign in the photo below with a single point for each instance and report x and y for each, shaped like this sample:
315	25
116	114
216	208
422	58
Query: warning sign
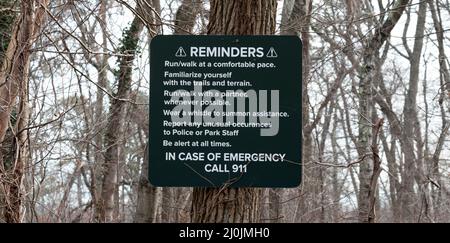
225	111
272	53
180	52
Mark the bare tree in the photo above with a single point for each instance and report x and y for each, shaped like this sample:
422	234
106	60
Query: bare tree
366	84
147	198
411	129
114	130
13	84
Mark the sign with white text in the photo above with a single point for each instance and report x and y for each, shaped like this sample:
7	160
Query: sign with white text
225	111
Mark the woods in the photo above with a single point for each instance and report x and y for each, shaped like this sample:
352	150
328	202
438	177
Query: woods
74	111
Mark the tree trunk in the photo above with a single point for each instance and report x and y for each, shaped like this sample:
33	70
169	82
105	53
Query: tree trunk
8	142
168	198
445	84
367	79
115	126
234	205
147	198
228	205
410	124
186	16
185	20
296	21
13	84
437	22
6	26
96	171
275	207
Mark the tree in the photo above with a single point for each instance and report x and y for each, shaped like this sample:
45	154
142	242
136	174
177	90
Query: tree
367	81
185	21
234	205
296	20
147	199
13	84
186	16
115	128
444	82
411	136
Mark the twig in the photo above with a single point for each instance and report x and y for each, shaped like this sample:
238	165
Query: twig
347	166
199	174
376	171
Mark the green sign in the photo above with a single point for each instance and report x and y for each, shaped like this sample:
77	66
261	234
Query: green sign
225	111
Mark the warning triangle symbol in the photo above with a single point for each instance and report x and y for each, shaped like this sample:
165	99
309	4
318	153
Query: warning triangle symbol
180	52
272	53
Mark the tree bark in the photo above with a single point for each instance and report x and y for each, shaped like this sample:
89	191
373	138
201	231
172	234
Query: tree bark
239	17
186	16
275	207
6	26
147	196
228	205
234	205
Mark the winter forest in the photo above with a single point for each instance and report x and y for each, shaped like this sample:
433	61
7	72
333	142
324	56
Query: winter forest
74	111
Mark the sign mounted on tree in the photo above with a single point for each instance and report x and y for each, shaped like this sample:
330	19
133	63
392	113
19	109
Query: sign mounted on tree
225	111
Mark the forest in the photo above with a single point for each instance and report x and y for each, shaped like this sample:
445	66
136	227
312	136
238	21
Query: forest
75	111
